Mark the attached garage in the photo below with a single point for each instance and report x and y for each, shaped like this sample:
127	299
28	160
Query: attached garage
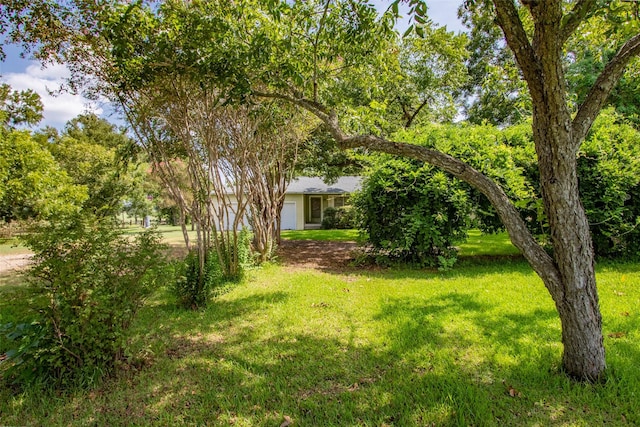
288	216
305	201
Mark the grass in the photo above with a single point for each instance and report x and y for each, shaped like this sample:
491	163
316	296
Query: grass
336	235
492	245
12	247
477	345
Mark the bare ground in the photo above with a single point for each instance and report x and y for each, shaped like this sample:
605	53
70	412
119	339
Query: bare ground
14	262
323	255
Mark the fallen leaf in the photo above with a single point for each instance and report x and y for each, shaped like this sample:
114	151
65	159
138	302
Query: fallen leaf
320	304
618	293
625	313
617	334
287	421
512	391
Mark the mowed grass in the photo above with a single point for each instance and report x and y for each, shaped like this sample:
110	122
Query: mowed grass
477	345
335	235
12	247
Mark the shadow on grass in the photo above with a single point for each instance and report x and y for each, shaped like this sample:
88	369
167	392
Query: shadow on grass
469	268
453	359
220	368
219	315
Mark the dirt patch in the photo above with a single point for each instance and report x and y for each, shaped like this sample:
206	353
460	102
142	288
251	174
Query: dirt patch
324	255
14	262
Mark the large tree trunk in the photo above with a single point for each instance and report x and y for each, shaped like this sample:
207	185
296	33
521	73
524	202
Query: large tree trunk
575	293
557	139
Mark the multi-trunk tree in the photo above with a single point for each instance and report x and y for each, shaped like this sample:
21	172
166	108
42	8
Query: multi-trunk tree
335	58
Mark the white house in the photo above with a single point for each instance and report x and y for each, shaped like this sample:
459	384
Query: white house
306	199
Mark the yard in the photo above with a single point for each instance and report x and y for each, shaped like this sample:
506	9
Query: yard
311	344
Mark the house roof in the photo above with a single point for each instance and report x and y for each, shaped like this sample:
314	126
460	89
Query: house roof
313	185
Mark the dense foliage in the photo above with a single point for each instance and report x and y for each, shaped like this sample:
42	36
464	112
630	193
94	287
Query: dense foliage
608	169
193	285
100	157
89	283
32	183
342	218
197	279
413	213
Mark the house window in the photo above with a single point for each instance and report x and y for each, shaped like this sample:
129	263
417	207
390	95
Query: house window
340	201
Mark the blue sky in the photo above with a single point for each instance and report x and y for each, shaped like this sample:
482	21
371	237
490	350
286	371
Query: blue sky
25	74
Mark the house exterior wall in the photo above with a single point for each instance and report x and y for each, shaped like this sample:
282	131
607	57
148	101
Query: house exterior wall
299	201
302	205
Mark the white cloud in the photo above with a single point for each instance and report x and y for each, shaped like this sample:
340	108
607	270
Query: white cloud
59	108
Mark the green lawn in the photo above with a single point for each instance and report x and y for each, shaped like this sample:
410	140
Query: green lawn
337	235
477	345
12	247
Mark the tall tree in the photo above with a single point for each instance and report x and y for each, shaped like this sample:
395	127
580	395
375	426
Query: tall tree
569	272
32	183
97	155
19	107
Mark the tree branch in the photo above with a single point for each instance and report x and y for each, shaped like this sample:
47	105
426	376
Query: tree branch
602	88
521	237
572	20
541	262
509	21
413	116
315	49
313	107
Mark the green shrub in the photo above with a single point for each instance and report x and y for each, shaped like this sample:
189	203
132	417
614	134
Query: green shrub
90	283
329	219
245	258
412	213
346	218
342	218
193	288
608	172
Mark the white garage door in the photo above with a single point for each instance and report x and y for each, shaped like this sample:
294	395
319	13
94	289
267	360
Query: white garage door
288	216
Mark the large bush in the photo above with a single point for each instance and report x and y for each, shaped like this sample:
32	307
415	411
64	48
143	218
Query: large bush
608	171
412	213
90	282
